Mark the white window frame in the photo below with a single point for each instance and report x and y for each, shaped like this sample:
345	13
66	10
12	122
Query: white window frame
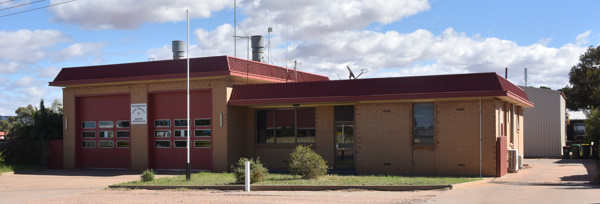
117	123
210	131
105	132
182	131
209	120
95	135
112	124
100	141
82	126
168	131
175	146
175	123
94	141
203	147
117	134
162	141
117	144
162	120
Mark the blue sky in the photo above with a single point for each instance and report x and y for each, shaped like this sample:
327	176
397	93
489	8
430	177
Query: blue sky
387	37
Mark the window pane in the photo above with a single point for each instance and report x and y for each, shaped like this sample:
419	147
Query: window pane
306	125
202	133
105	134
264	126
162	133
123	124
88	124
105	124
122	133
423	123
180	143
284	121
162	144
88	134
181	133
123	144
202	143
180	123
162	123
202	122
88	144
105	144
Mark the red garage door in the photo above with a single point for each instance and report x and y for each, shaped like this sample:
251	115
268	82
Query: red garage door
102	132
168	130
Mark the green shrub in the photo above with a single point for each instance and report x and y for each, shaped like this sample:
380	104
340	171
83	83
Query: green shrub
257	170
307	163
147	175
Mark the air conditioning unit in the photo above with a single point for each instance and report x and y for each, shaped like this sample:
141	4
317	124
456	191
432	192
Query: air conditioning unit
520	161
513	161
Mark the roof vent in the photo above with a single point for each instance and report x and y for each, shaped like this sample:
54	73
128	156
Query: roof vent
178	49
258	44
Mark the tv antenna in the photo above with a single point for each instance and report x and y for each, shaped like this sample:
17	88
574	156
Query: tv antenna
352	73
296	65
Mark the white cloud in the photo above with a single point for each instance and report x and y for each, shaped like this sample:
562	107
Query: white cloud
211	43
24	82
28	45
78	50
317	18
130	14
9	67
583	38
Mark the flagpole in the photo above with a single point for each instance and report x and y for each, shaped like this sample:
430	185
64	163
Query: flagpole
188	168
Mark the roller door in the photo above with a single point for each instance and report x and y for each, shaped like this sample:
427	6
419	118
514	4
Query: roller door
102	132
168	130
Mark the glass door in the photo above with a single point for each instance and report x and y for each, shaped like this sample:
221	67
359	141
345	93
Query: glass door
344	145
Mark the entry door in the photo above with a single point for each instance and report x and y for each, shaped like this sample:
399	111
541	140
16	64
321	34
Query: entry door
344	145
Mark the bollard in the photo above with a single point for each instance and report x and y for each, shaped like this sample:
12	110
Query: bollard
247	169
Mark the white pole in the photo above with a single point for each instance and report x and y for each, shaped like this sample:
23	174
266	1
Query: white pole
188	168
480	137
234	28
247	171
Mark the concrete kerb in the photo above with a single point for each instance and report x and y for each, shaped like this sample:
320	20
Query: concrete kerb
313	187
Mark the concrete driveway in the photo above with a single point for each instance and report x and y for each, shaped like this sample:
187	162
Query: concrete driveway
32	185
546	181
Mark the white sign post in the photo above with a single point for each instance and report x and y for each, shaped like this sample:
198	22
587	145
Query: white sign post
247	173
139	114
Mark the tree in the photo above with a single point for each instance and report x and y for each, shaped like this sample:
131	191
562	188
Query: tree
583	93
26	141
545	87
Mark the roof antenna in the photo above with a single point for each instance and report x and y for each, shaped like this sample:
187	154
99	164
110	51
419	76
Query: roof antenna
352	73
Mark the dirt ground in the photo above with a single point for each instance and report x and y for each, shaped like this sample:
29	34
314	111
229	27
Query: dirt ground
213	196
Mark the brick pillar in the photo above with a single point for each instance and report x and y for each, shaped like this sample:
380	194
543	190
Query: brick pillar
69	133
139	133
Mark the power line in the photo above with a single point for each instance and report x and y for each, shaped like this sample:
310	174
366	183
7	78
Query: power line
37	8
6	1
21	5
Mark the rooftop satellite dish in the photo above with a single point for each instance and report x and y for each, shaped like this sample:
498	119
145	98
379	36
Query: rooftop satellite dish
352	73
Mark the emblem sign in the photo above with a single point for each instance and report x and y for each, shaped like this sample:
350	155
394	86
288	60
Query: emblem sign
138	114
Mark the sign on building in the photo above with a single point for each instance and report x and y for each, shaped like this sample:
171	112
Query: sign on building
139	115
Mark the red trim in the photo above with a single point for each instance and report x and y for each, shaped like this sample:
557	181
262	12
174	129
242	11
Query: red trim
138	78
368	98
519	99
175	91
104	94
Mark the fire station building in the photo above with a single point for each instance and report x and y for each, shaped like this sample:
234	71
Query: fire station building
133	116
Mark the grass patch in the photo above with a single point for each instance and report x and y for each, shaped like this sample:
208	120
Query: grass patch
206	178
9	168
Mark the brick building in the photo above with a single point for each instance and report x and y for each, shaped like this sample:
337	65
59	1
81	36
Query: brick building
431	125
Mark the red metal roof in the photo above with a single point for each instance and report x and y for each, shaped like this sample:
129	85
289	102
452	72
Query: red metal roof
419	87
167	69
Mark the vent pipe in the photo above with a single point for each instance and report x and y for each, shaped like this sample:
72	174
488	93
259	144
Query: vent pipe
178	49
258	44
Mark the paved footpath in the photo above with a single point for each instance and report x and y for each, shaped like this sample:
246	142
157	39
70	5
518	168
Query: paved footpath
547	181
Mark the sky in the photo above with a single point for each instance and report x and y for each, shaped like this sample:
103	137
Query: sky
386	38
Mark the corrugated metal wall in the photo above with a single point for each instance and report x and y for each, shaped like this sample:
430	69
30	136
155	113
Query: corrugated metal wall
544	124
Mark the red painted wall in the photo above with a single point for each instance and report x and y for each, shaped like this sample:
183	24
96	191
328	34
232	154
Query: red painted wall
102	108
171	106
501	157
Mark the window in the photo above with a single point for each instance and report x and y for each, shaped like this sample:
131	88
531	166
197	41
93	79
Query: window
162	123
88	134
122	124
162	144
105	134
105	124
202	122
105	144
122	144
88	144
423	123
202	133
285	126
123	133
180	144
202	144
88	124
181	133
162	133
180	123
